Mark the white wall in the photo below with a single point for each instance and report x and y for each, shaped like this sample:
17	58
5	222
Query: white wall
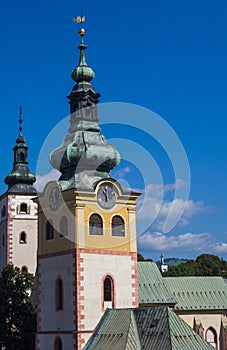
207	319
51	269
23	254
46	342
96	267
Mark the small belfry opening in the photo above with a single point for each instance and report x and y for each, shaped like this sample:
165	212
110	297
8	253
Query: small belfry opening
49	230
23	238
63	227
21	157
95	225
23	208
118	226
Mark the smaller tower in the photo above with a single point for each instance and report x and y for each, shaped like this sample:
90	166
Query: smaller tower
18	213
163	265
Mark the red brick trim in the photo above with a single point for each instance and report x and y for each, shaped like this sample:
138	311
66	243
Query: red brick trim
51	255
9	253
108	252
74	288
80	299
37	341
134	276
89	251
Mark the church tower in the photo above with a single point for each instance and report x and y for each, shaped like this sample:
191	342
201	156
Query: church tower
87	250
18	220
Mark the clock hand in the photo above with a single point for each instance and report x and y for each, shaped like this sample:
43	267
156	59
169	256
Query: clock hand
105	192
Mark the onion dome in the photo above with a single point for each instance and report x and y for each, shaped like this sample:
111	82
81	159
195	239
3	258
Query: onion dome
82	72
85	156
20	179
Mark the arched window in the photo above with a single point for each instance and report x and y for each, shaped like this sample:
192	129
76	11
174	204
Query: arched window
23	208
58	344
108	289
63	227
59	294
21	157
118	226
211	337
49	230
23	238
24	269
95	225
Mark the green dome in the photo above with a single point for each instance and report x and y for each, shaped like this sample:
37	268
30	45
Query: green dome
82	72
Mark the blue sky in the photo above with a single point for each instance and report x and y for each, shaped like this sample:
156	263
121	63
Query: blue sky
169	57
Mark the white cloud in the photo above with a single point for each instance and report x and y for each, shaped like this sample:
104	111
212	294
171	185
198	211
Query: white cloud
42	180
175	186
220	248
186	242
159	213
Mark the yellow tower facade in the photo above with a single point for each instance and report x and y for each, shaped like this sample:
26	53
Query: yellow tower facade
92	252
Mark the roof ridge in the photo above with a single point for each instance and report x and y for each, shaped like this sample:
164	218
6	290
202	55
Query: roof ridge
169	326
135	328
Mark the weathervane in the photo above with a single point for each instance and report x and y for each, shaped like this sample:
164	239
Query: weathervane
80	19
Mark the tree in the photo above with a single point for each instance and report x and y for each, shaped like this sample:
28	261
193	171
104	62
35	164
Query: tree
17	314
208	265
140	257
204	265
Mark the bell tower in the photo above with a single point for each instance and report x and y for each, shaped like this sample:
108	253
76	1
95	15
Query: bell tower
18	212
87	252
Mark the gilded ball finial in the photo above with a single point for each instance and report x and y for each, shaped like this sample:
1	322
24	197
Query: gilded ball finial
82	32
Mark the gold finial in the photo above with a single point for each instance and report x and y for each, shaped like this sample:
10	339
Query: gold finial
82	32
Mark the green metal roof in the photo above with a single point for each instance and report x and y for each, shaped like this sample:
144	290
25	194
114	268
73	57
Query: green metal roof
115	329
198	293
150	328
152	289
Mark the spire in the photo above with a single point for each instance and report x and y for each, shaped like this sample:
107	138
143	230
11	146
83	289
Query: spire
20	122
20	180
85	157
82	73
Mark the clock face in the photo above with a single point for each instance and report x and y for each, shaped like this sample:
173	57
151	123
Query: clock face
55	198
106	196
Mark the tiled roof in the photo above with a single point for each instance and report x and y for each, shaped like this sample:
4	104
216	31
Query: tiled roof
152	289
150	328
198	293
